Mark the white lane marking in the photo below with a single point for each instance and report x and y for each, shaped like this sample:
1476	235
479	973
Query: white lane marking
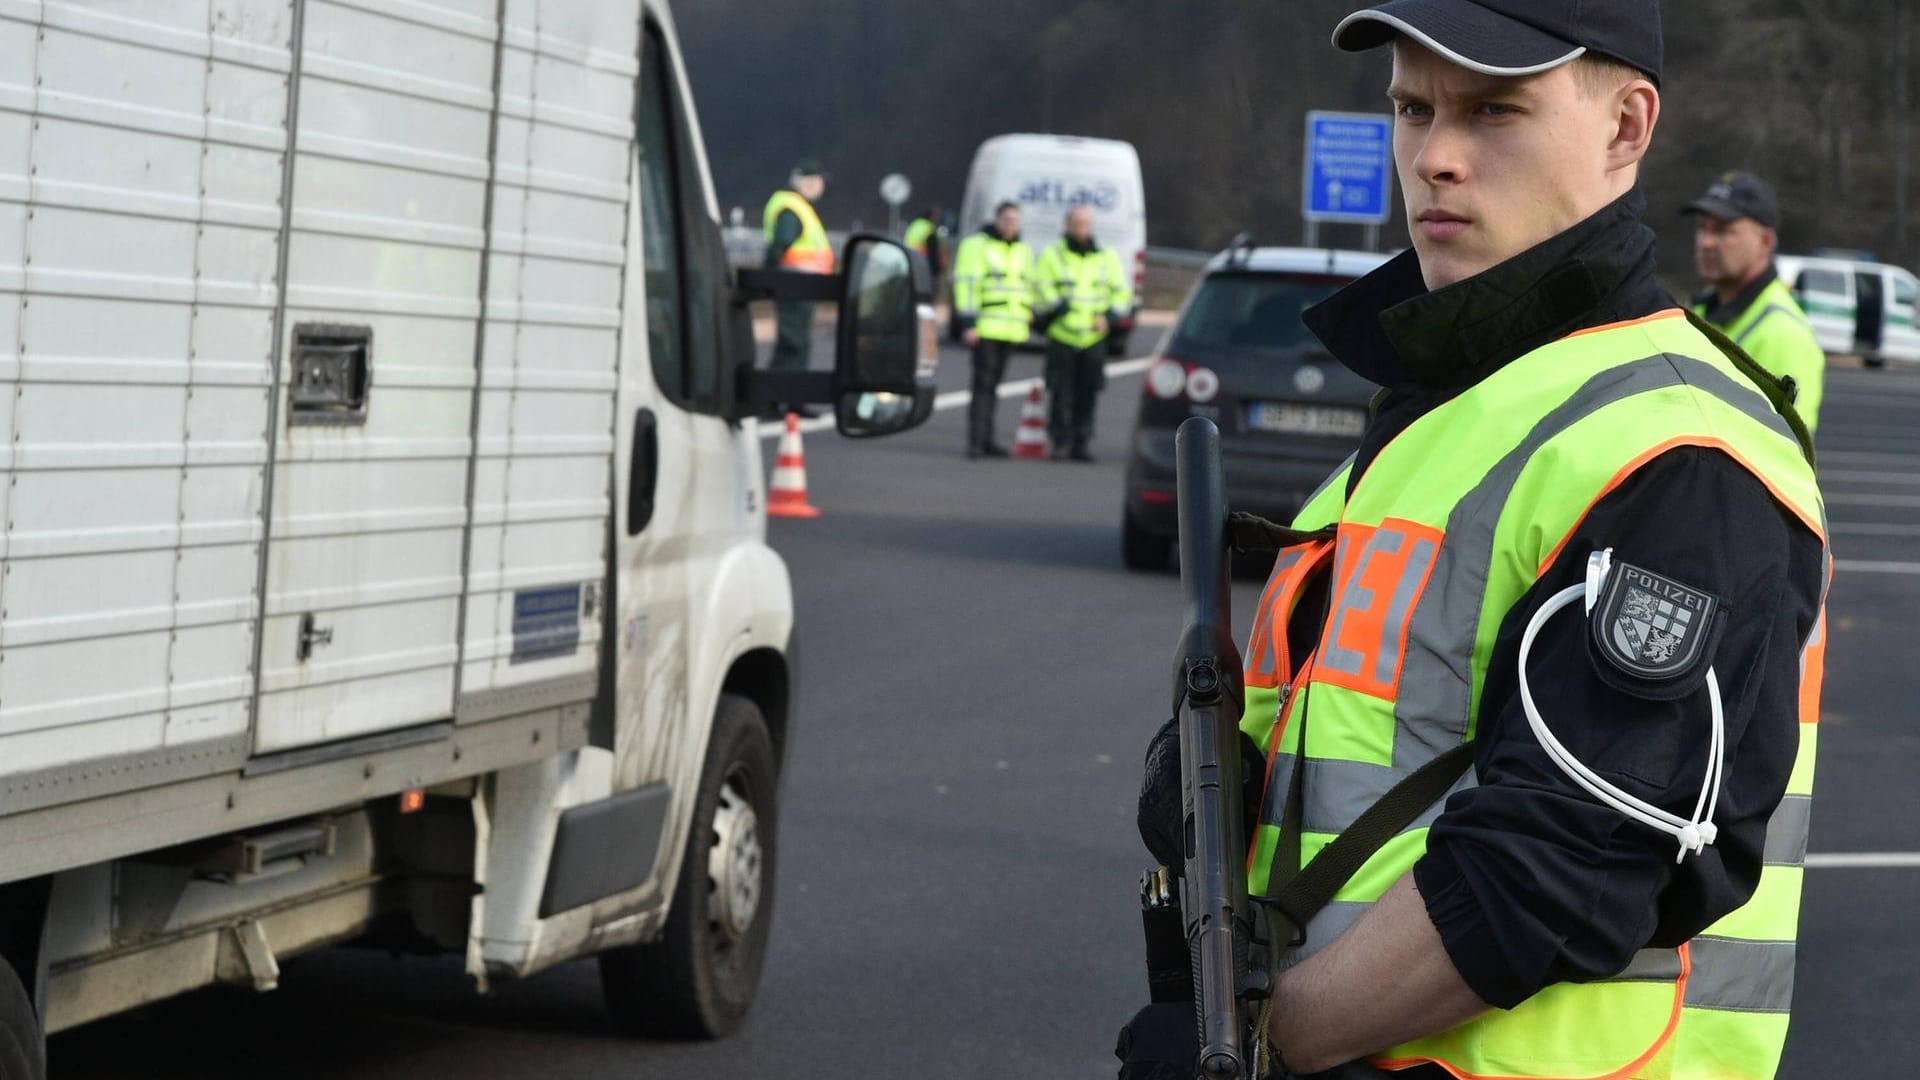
1868	566
1854	498
954	399
1863	476
1863	860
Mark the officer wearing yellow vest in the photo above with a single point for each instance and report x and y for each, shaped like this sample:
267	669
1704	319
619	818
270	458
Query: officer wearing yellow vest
926	235
1733	246
796	240
1571	583
993	306
1082	294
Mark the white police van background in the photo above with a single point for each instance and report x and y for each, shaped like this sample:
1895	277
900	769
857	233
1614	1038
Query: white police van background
385	548
1049	175
1829	290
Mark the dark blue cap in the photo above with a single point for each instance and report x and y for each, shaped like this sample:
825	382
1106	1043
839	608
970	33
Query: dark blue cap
1514	37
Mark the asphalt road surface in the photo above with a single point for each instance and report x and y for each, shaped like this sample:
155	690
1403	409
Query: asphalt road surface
958	862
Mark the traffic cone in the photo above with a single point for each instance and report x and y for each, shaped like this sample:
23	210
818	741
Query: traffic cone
787	497
1031	440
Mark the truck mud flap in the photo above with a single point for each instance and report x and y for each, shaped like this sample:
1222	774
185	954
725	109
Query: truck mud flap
605	847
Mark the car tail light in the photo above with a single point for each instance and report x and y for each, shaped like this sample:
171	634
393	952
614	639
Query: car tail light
1202	385
1139	272
1167	379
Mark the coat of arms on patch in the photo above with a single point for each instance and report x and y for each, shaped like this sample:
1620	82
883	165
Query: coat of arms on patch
1652	627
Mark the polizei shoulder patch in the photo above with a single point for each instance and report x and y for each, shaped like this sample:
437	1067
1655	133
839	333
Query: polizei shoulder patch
1654	630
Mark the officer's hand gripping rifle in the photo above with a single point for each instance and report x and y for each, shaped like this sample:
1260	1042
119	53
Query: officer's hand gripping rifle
1207	693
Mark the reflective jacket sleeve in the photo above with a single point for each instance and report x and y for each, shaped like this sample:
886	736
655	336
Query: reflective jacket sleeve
1784	344
1530	880
969	265
1120	287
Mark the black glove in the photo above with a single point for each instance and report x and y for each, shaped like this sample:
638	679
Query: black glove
1160	813
1161	1042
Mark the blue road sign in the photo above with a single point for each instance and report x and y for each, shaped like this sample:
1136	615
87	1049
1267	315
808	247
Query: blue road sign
1349	174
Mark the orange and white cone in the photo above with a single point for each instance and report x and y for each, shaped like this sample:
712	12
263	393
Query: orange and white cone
787	496
1031	440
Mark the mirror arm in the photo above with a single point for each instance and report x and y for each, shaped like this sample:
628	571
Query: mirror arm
758	283
760	389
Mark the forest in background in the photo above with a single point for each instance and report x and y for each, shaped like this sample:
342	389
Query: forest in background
1816	95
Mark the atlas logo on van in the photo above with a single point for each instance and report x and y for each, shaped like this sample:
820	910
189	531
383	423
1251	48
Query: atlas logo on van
1066	193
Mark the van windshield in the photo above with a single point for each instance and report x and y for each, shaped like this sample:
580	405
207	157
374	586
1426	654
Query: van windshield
1252	311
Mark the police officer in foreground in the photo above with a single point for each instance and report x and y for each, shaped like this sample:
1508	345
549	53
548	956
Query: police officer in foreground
1545	403
796	240
1734	239
993	306
1082	293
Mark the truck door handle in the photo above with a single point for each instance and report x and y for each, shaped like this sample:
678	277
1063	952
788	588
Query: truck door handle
643	471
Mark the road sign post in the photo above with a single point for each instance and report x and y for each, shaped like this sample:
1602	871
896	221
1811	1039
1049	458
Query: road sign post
895	190
1348	171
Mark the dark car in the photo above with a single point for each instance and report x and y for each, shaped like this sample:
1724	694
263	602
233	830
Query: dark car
1239	355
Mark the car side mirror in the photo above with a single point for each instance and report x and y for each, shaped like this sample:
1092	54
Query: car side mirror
887	348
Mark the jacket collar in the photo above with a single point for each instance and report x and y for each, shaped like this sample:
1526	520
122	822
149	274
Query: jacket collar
1727	314
993	234
1087	248
1388	328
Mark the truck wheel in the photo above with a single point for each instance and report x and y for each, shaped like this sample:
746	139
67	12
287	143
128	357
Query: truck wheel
1140	549
698	980
23	1049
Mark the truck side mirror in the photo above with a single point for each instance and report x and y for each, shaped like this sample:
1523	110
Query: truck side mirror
887	348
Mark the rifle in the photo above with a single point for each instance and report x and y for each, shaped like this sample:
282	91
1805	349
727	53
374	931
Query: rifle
1219	919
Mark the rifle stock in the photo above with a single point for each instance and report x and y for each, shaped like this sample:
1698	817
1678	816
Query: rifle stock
1207	689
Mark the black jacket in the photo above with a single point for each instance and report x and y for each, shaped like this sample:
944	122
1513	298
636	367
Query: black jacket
1530	880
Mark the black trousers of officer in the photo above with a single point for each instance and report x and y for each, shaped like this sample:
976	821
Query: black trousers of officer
793	343
1075	378
989	364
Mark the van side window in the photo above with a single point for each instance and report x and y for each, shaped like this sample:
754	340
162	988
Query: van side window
681	241
1827	282
1904	291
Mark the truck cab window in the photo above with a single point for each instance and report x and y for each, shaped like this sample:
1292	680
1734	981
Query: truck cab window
683	251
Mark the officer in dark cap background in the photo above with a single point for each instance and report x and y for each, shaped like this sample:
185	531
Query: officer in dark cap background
1734	239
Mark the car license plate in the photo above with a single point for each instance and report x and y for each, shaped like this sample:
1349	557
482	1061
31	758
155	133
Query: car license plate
1286	418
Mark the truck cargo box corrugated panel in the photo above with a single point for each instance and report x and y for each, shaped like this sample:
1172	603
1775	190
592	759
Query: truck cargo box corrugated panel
411	513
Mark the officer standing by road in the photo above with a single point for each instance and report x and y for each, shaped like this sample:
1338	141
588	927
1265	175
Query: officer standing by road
1734	239
1082	294
926	235
993	306
796	240
1544	403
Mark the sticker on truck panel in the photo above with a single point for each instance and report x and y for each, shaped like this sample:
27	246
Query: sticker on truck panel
546	622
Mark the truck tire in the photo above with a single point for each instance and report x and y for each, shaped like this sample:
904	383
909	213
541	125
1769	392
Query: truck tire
1142	550
698	980
23	1049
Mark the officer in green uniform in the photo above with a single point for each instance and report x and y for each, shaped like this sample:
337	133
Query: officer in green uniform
926	235
1575	510
993	307
1733	245
1082	294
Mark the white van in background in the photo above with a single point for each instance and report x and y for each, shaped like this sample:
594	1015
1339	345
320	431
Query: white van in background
1856	306
1049	175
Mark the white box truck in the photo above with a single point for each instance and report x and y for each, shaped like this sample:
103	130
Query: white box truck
1050	175
385	546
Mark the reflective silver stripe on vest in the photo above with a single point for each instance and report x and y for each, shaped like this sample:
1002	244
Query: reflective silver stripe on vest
1730	973
1787	831
1339	792
1651	965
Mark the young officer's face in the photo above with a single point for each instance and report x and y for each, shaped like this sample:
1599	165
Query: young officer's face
1491	166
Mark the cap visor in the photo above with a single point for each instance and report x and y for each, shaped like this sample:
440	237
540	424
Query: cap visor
1466	34
1715	208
